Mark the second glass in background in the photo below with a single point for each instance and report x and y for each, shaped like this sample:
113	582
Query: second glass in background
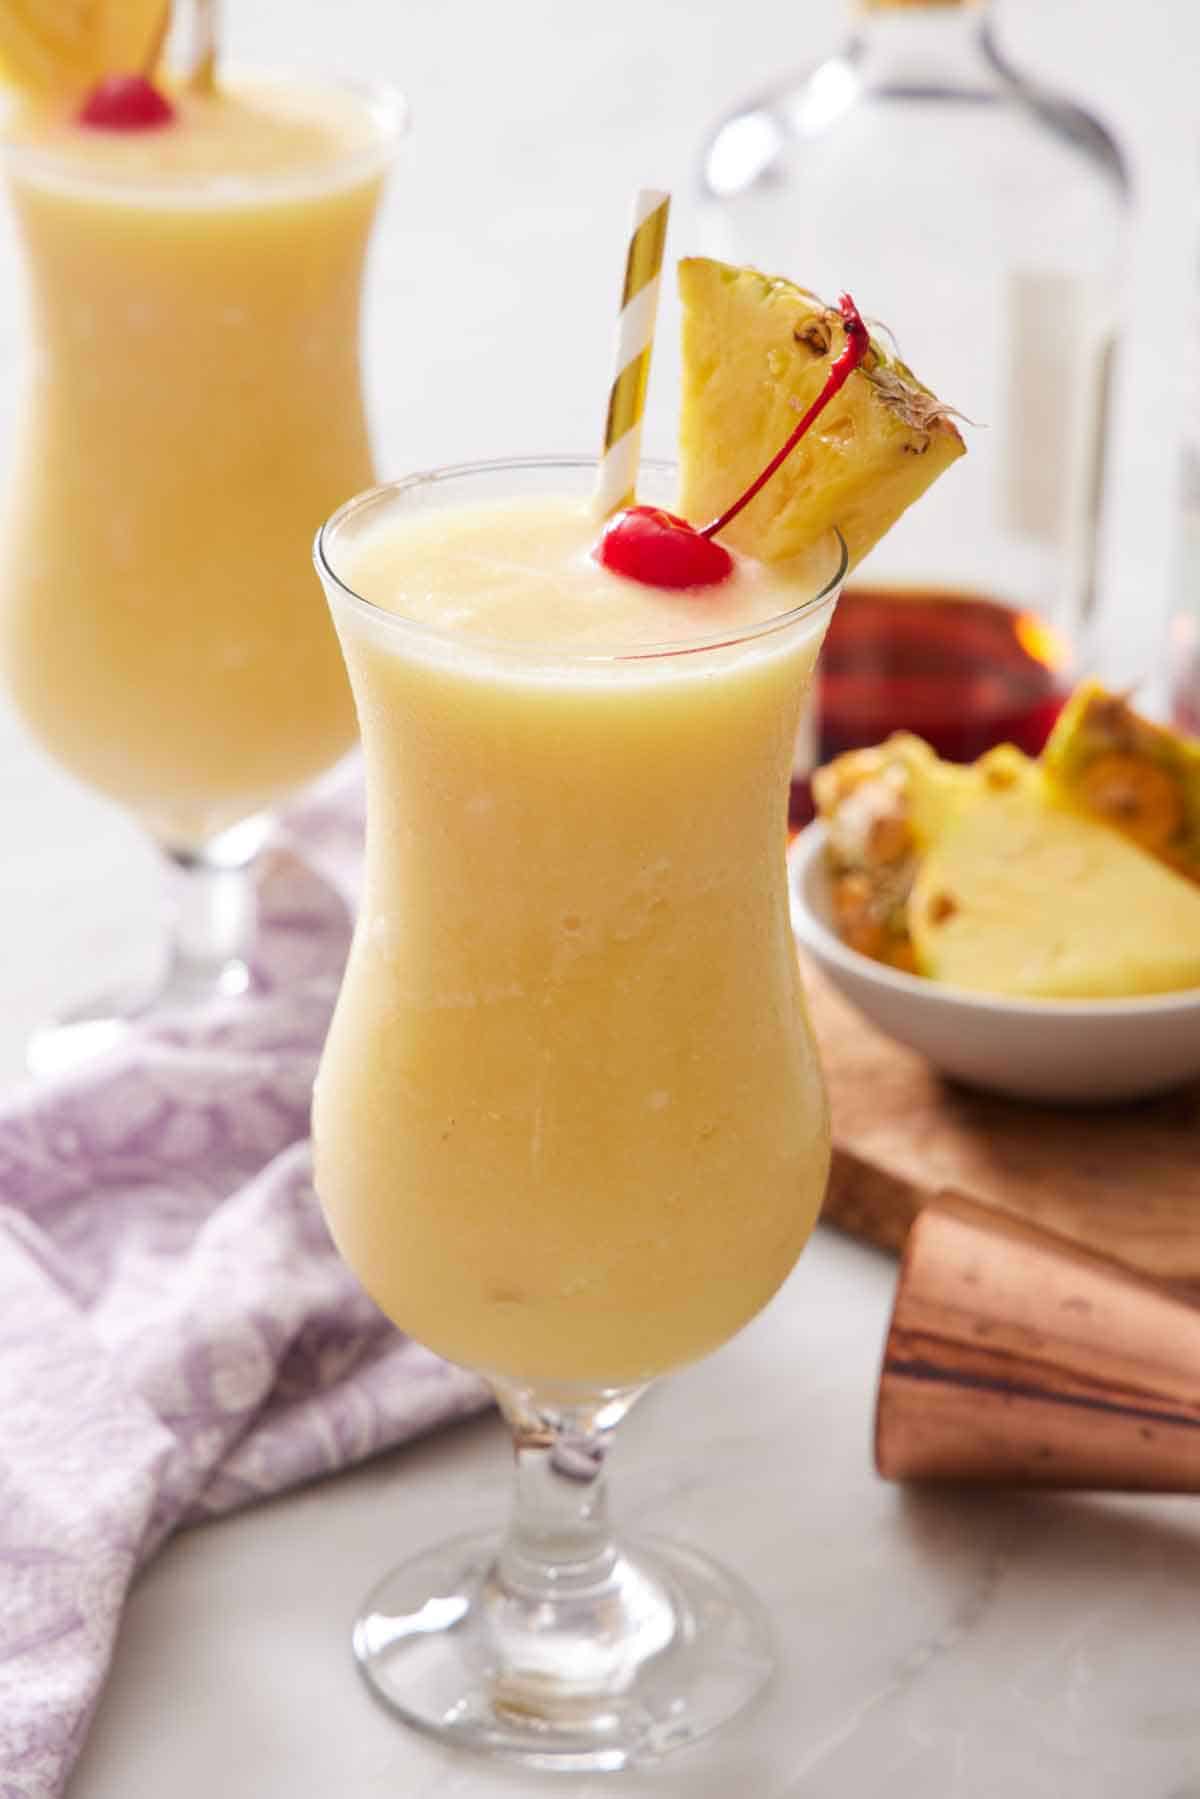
918	168
193	409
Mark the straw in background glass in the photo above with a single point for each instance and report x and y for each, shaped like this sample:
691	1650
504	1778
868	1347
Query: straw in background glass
202	62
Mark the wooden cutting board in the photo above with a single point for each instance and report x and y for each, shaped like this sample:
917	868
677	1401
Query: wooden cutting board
1124	1180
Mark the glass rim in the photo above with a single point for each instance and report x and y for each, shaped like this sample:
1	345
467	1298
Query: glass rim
399	625
387	105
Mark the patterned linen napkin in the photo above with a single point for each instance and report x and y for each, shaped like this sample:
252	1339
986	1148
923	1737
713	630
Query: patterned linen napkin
177	1334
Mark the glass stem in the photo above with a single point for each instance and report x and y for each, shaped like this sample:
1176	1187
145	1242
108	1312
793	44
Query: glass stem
213	916
559	1534
568	1615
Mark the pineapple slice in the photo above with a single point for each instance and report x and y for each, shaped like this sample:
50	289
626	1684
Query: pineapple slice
991	877
58	49
865	801
1024	895
882	808
755	353
1134	775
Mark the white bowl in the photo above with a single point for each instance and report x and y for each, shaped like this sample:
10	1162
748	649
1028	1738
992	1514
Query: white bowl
1079	1051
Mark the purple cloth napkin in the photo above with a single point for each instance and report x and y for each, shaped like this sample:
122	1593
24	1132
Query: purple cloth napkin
177	1334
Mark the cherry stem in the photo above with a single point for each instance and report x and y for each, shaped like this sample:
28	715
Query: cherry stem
858	342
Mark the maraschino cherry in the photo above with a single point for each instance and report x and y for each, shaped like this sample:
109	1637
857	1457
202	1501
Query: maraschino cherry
126	103
660	549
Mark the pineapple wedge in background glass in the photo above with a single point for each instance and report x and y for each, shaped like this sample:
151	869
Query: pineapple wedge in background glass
57	49
756	350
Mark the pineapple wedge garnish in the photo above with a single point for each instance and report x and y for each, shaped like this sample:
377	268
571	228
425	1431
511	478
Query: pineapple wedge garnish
756	351
1139	777
57	49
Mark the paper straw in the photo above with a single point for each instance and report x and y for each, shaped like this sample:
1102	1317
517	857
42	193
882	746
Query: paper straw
616	483
202	70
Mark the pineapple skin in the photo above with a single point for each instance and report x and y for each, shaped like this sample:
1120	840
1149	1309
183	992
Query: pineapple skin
1097	727
882	809
756	352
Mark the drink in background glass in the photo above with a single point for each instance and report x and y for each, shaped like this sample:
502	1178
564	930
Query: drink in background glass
569	1126
193	410
987	213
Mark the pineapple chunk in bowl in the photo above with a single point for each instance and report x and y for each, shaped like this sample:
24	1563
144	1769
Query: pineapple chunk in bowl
1066	1051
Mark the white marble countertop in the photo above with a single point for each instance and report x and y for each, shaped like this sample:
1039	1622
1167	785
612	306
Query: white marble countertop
978	1647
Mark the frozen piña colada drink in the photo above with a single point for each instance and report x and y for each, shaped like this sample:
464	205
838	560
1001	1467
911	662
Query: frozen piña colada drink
569	1122
569	1125
193	412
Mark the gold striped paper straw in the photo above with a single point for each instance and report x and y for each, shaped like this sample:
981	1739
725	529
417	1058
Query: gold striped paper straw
202	64
616	483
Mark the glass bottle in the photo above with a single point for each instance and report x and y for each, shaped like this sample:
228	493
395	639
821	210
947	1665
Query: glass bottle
981	215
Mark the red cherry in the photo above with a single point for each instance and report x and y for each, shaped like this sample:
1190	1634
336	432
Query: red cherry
126	103
655	547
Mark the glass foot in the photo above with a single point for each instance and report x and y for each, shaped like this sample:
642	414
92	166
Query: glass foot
667	1647
67	1043
92	1030
213	896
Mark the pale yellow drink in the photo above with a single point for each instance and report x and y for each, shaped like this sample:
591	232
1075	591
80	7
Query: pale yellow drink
569	1123
193	412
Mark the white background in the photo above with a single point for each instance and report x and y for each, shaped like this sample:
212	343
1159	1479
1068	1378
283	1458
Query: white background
930	1647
